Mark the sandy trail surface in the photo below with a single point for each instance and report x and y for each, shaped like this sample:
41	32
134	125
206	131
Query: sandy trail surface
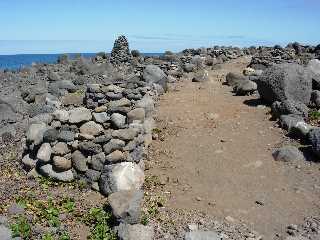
214	153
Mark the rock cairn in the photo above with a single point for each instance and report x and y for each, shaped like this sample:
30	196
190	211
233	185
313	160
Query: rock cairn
121	52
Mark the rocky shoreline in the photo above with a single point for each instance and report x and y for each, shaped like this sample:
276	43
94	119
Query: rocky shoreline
92	120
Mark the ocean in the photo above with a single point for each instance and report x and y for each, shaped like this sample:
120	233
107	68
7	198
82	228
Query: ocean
14	62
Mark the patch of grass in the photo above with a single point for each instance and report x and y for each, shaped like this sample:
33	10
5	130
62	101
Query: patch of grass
68	205
50	212
314	115
156	130
65	236
21	228
144	219
152	181
152	208
48	236
100	222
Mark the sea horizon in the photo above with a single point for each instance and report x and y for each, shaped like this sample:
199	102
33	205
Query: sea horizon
17	61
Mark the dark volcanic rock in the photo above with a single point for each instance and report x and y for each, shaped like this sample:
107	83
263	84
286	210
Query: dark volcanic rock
120	52
314	138
285	81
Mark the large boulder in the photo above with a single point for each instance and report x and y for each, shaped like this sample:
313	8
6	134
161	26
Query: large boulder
48	171
5	233
289	107
126	205
202	235
135	232
245	87
314	138
234	79
287	154
153	74
7	113
201	76
285	81
314	67
123	176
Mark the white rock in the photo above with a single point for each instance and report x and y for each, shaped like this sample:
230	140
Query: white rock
123	176
44	152
35	132
80	114
61	115
91	128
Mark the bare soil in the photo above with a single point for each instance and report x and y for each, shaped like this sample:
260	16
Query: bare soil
213	155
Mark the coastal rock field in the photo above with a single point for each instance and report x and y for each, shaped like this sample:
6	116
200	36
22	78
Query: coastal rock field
209	143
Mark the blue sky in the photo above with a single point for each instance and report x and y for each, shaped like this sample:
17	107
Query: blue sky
57	26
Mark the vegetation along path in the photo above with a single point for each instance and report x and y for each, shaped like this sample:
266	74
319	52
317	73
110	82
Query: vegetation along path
213	154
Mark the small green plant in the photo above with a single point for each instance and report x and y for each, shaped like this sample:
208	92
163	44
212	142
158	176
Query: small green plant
21	228
144	219
47	236
47	210
68	205
65	236
314	115
100	222
152	181
156	130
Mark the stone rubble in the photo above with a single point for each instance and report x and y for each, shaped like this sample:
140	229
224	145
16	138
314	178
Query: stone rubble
93	119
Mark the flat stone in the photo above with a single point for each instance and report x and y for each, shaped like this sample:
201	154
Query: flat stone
61	164
66	136
125	134
47	171
119	103
91	128
72	99
101	109
42	118
50	135
79	161
135	232
28	162
79	115
61	149
93	175
116	156
98	161
112	145
137	114
288	154
90	148
101	117
61	115
44	152
118	120
126	205
5	233
202	235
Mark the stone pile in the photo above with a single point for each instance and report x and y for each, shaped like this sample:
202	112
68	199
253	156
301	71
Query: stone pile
110	130
121	52
294	53
292	90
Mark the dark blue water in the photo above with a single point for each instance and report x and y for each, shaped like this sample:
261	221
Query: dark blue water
14	62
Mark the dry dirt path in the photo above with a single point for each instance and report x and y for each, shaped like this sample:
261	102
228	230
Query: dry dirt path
215	156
